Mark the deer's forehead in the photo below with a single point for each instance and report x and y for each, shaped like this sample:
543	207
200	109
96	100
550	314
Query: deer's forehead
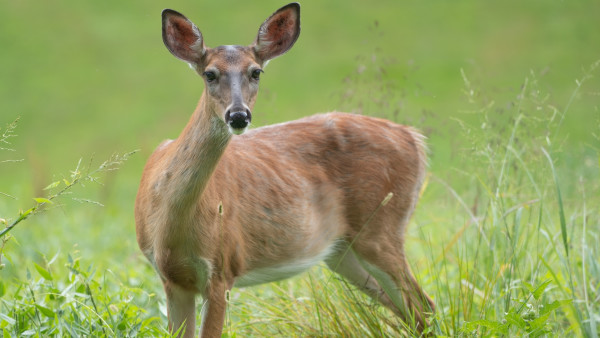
230	58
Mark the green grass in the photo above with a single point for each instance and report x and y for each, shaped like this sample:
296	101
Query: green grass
505	238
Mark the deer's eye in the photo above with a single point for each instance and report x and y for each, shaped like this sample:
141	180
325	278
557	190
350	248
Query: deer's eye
256	74
210	76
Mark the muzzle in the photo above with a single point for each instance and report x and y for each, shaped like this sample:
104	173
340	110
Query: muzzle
238	120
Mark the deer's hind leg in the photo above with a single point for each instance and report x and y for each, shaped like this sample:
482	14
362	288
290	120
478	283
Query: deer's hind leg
390	283
345	263
385	261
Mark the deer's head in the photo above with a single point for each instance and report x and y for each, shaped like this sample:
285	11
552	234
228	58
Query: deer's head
231	73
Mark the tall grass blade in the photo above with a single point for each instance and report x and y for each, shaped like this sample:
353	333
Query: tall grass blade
561	211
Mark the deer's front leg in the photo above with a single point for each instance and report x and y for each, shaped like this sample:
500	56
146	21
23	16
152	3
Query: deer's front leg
213	311
181	309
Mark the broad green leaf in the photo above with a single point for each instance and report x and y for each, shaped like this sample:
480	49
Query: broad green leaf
41	200
52	185
26	213
513	318
43	272
471	326
45	311
122	325
6	318
553	306
2	289
539	323
540	289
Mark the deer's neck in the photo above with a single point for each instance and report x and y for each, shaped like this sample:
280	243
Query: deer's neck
197	151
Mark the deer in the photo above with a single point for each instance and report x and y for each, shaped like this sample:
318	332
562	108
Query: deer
225	206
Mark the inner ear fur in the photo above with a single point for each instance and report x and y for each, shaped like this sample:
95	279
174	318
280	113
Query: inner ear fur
278	33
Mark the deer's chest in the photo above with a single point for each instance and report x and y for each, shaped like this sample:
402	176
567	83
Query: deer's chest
188	272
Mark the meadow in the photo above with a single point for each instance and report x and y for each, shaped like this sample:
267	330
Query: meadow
505	238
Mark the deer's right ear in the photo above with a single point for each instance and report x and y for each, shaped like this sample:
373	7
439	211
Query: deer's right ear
182	38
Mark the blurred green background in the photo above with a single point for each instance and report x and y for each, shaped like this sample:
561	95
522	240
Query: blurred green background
91	78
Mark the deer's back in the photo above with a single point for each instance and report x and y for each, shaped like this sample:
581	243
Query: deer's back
343	148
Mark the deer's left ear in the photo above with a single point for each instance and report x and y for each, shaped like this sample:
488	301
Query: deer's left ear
278	33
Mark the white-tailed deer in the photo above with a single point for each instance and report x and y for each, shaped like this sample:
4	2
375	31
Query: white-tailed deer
215	211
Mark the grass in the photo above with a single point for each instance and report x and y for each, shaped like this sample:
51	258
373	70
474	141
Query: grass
505	238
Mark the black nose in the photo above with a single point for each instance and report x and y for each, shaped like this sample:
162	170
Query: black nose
238	119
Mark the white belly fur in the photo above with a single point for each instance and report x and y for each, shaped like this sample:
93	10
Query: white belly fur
282	271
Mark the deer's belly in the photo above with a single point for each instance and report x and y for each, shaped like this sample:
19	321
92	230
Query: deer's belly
284	270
